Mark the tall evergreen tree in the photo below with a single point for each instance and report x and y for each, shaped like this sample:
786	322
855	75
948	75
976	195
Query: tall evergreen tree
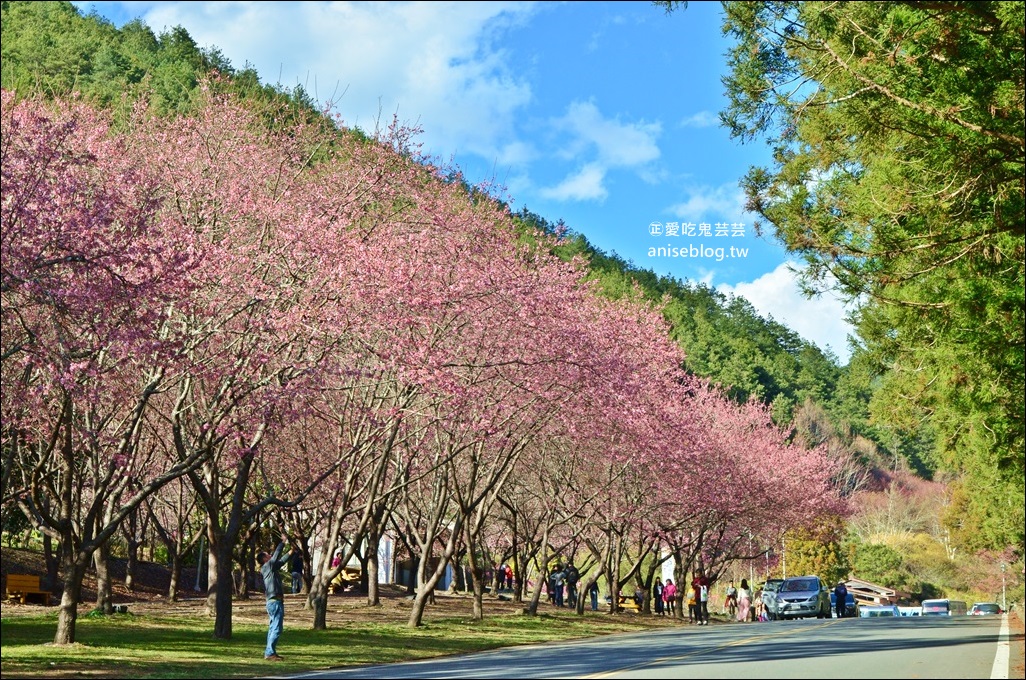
897	130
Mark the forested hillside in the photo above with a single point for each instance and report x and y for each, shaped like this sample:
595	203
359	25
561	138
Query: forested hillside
51	49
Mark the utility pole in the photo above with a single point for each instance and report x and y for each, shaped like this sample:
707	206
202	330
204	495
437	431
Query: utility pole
751	566
1004	605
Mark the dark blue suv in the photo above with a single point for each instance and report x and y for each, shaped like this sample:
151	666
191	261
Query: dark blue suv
849	605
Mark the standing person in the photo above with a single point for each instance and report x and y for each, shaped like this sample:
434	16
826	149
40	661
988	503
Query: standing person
593	590
700	588
572	577
657	596
841	599
744	601
730	603
732	600
270	569
337	583
670	596
296	570
556	579
692	608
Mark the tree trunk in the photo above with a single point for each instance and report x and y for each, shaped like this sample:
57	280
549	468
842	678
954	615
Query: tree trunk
246	569
476	577
104	587
52	563
132	538
615	583
176	576
425	594
680	575
318	600
532	604
373	544
428	581
320	585
74	571
221	588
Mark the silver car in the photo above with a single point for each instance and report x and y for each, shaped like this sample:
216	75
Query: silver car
803	596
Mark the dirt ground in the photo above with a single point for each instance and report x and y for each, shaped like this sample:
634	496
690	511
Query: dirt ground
150	597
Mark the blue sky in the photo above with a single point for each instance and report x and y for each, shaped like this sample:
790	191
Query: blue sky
602	114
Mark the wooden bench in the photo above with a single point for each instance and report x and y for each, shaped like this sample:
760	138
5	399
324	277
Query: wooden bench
627	602
25	588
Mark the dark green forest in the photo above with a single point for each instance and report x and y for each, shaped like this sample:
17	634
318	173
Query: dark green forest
53	49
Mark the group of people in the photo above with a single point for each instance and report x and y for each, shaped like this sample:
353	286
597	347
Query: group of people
504	577
562	585
741	603
698	599
664	598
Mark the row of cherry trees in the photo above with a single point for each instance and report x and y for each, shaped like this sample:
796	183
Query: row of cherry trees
239	315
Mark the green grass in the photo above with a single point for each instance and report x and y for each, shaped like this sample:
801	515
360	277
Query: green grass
142	646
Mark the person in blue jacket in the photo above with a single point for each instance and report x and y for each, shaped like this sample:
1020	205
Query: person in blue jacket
270	568
841	599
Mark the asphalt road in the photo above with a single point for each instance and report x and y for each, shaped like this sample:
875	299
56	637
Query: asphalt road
893	648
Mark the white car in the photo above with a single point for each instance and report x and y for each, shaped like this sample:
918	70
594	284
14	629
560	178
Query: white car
985	609
867	611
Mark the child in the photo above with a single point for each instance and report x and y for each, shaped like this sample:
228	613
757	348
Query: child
692	609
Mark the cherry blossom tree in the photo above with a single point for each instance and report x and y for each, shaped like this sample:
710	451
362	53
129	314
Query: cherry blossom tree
89	273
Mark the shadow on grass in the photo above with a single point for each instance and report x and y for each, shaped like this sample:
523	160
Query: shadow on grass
129	646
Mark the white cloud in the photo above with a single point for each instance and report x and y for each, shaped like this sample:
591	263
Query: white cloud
609	143
431	64
617	144
701	119
725	203
819	320
585	185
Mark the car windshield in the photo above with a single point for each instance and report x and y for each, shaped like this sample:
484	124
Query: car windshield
799	586
772	586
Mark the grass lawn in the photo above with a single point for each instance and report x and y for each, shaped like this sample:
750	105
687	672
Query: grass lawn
149	646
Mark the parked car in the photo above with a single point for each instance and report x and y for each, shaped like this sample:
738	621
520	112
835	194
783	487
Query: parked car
803	596
849	605
985	609
944	607
873	610
769	597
